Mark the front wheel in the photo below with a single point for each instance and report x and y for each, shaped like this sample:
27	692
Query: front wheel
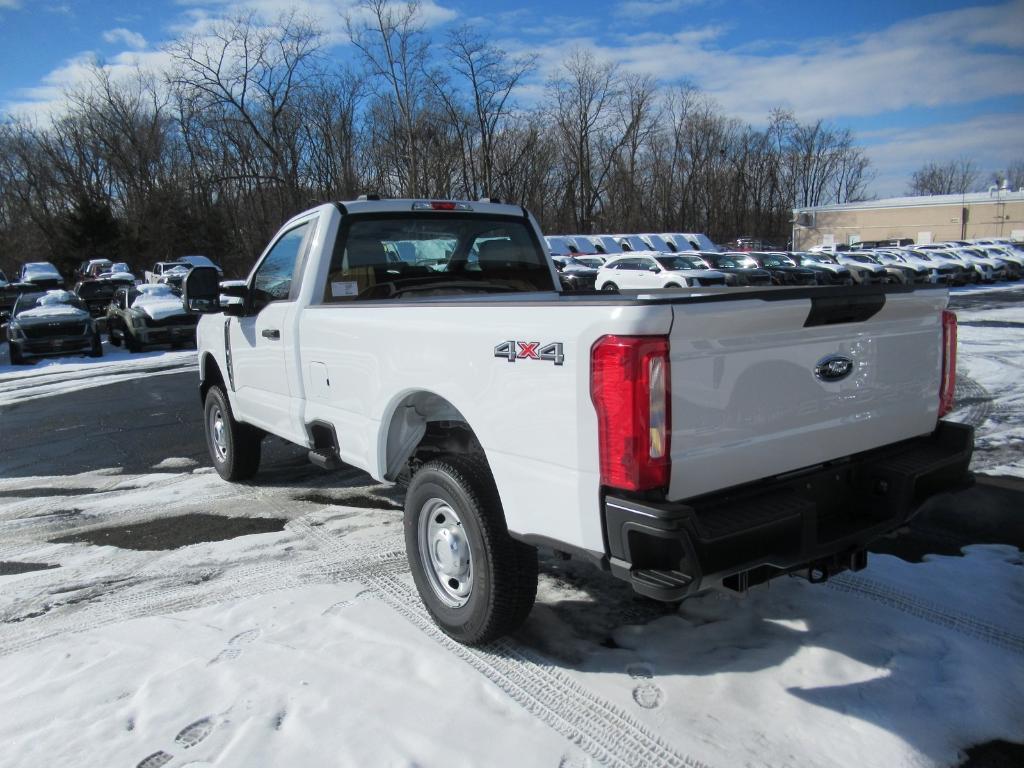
476	581
609	287
16	357
130	341
234	447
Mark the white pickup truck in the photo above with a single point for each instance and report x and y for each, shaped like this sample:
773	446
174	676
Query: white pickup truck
682	440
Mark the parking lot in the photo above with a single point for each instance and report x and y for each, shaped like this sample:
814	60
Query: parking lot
154	615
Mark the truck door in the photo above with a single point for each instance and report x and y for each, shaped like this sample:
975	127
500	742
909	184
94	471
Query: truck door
257	339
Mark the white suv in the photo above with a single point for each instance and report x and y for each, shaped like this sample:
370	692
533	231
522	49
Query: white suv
641	271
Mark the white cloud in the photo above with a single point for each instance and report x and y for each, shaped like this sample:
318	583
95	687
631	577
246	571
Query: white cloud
992	141
646	8
10	5
125	36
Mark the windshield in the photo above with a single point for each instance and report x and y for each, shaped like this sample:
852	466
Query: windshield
776	260
817	258
560	246
681	262
96	290
42	302
590	261
441	255
607	244
659	244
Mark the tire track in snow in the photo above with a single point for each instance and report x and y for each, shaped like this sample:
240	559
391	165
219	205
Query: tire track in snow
974	402
604	731
957	621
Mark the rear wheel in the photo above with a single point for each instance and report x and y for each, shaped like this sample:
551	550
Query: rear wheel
476	581
234	447
97	346
609	287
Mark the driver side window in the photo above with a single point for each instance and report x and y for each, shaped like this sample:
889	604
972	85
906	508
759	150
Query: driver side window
273	278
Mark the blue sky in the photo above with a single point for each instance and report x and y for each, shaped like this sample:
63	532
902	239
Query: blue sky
917	81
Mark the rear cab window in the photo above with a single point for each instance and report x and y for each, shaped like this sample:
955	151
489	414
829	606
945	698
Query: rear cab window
403	256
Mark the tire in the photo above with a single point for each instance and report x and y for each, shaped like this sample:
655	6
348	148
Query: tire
16	357
114	335
97	346
609	287
130	342
452	502
234	447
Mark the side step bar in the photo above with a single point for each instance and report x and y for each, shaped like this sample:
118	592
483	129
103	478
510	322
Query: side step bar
325	458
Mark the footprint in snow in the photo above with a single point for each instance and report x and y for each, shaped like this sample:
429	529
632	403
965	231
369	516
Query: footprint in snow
187	737
193	733
342	604
235	644
574	761
646	694
156	760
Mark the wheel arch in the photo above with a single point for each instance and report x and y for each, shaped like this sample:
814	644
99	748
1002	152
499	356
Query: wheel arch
421	421
209	375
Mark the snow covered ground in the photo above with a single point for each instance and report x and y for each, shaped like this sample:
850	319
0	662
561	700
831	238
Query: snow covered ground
56	375
309	646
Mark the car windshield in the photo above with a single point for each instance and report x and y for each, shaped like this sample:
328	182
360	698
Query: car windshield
443	255
29	302
817	258
607	244
567	261
777	260
659	244
96	289
590	261
560	246
681	262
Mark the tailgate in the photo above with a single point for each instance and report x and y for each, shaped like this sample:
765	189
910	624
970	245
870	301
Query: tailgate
747	402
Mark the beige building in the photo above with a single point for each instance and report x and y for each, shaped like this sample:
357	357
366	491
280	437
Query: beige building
926	219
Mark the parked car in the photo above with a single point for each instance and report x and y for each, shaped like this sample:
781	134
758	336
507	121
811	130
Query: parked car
604	245
200	261
640	271
48	323
950	270
560	245
159	269
863	269
693	441
684	241
742	270
636	244
827	271
97	294
897	272
784	270
148	314
591	260
118	271
574	274
41	275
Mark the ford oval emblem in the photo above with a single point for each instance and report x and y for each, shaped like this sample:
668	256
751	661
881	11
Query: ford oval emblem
833	368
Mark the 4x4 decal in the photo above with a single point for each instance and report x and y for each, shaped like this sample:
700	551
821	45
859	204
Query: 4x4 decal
530	350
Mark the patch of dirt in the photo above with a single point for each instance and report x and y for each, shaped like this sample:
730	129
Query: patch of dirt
174	532
9	568
362	501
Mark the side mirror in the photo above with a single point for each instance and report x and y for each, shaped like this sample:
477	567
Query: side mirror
652	268
201	290
232	296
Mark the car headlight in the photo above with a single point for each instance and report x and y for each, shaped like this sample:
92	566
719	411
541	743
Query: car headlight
15	331
138	321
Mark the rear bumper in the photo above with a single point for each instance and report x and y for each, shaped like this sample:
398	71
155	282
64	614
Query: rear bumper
820	519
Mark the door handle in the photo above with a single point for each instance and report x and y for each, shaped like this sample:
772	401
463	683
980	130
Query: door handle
271	333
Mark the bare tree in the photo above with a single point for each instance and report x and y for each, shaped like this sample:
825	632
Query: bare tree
391	40
952	178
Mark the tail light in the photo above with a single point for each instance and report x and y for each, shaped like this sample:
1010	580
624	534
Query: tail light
947	385
629	384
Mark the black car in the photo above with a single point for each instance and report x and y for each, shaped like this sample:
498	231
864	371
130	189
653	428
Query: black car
827	271
783	269
97	295
51	323
739	268
574	275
